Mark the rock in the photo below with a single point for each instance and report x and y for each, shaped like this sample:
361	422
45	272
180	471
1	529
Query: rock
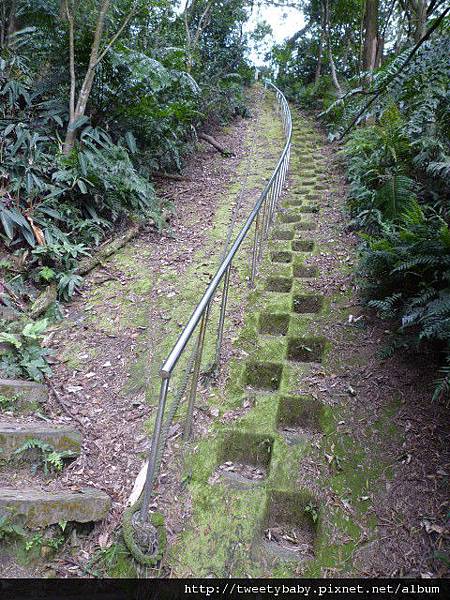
13	435
8	314
27	394
44	301
37	508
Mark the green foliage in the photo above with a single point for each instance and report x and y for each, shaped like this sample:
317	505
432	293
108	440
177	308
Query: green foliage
143	111
313	511
24	355
50	459
405	275
8	402
399	189
9	530
35	541
397	149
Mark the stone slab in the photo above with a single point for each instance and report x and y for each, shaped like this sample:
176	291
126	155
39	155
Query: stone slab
13	436
36	508
26	393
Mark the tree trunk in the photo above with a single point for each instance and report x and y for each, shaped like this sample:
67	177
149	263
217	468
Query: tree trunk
215	144
319	57
333	70
86	86
380	52
371	35
419	18
330	51
12	24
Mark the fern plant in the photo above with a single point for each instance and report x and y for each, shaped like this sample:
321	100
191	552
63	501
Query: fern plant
405	275
23	354
51	460
9	529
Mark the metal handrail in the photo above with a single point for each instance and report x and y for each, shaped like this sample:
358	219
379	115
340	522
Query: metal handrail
262	215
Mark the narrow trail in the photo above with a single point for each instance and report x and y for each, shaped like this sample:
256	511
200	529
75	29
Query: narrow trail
312	456
116	333
316	464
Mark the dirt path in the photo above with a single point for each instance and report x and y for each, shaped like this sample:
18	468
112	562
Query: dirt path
116	333
312	456
324	458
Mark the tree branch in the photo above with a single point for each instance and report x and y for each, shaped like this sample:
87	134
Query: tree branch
118	33
409	58
69	15
291	41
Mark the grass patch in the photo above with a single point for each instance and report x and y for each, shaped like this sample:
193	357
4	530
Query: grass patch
274	324
263	376
307	349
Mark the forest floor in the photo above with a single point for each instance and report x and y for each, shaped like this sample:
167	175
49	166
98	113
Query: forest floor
376	465
117	331
368	455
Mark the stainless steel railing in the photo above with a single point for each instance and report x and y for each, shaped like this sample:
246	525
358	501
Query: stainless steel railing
262	216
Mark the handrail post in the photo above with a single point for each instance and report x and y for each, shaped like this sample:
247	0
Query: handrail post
263	227
153	452
255	250
195	374
223	307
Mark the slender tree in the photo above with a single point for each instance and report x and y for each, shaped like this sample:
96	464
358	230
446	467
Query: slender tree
326	10
77	105
371	35
194	28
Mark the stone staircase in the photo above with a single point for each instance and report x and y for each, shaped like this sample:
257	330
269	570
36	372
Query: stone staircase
32	505
250	515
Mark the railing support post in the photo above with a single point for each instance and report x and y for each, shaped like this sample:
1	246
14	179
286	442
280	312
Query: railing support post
223	307
255	249
153	452
195	374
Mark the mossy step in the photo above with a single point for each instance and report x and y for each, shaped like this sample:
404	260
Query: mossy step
14	435
306	225
293	511
36	508
279	284
300	412
282	234
289	217
281	257
293	202
308	208
303	245
8	314
23	394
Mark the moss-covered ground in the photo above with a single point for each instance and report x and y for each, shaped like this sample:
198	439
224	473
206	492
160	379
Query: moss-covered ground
282	340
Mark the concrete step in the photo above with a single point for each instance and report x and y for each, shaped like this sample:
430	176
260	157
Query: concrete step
24	395
35	508
13	434
8	314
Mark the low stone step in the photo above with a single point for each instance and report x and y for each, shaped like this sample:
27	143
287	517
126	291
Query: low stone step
23	394
14	434
36	508
7	314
